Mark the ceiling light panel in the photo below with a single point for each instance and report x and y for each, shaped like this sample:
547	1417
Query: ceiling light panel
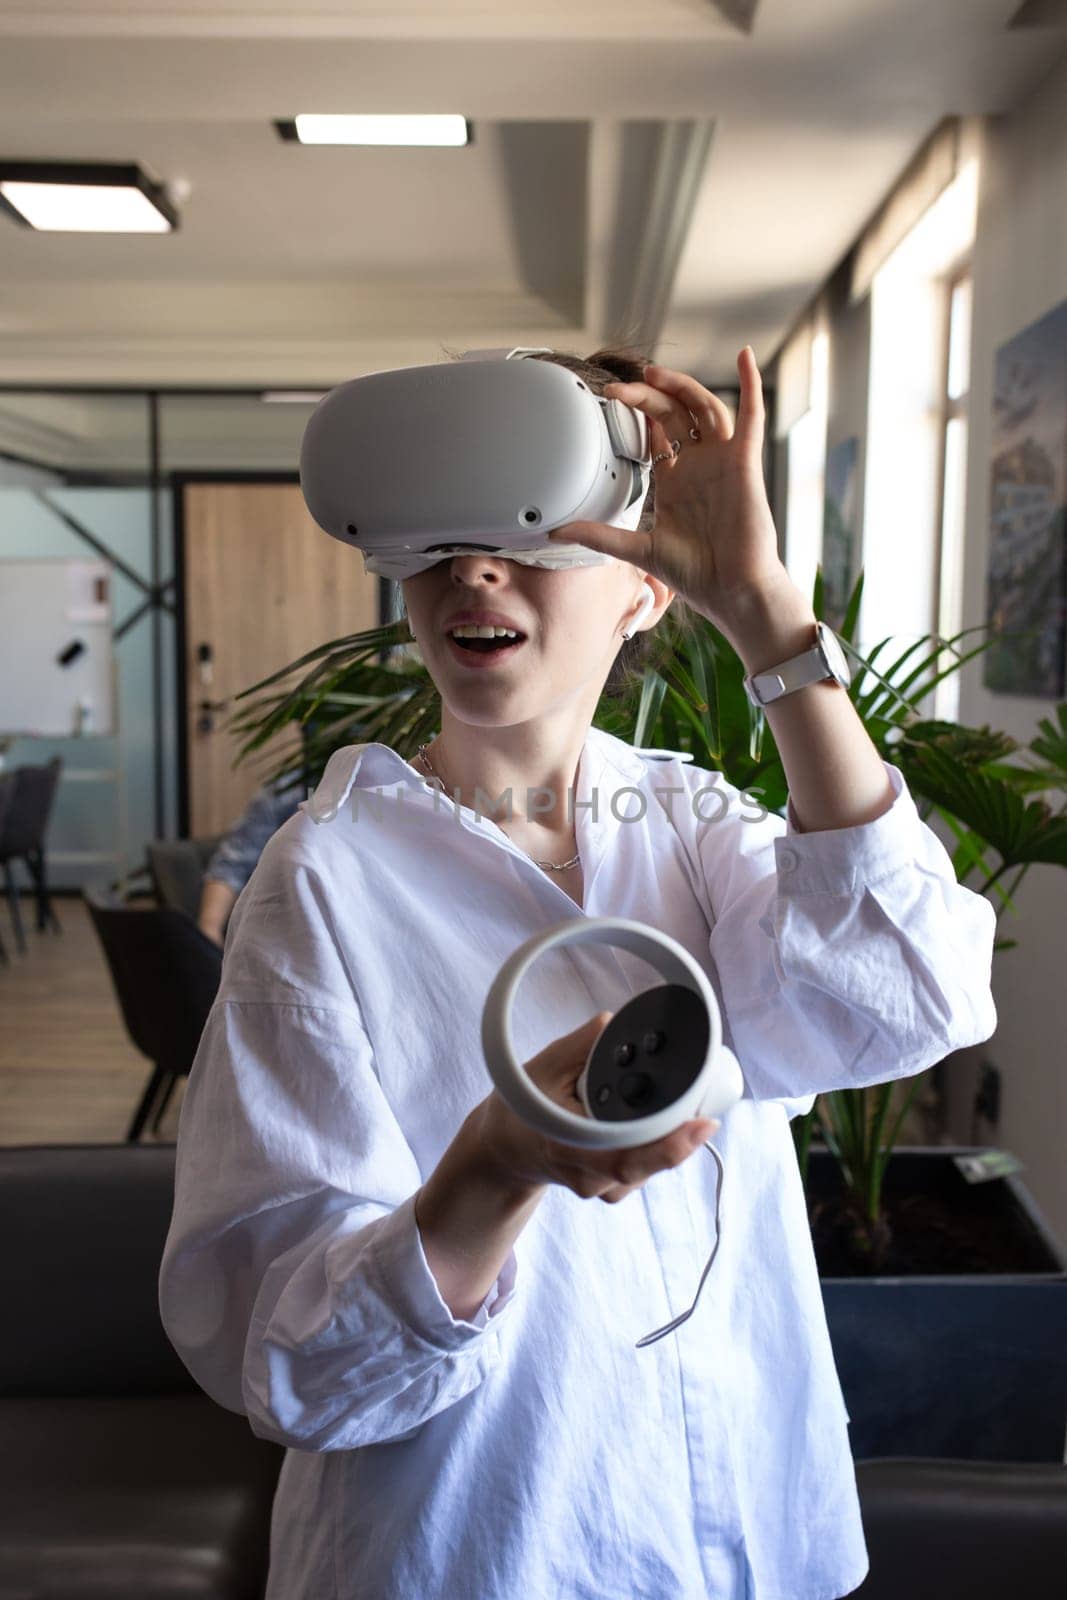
314	128
71	197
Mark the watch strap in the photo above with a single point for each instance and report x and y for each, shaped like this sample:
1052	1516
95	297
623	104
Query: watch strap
810	666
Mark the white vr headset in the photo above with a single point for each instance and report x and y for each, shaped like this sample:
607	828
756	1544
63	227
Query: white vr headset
414	466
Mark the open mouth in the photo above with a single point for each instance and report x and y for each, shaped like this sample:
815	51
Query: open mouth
486	646
479	643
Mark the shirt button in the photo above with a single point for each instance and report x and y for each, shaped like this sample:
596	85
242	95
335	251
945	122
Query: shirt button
787	860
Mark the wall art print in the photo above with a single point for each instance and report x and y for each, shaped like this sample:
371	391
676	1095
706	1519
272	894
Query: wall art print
840	528
1026	580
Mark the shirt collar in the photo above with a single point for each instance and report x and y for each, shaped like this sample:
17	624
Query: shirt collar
368	766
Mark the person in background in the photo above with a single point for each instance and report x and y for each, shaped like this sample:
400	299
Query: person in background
235	857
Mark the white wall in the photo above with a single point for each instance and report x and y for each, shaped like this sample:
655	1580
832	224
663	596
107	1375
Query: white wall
1020	272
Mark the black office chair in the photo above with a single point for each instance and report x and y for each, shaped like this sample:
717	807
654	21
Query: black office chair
177	868
166	975
7	789
119	1478
22	834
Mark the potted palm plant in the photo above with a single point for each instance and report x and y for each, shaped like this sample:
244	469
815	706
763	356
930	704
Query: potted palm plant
946	1299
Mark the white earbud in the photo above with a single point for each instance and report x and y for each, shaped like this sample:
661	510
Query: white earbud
644	606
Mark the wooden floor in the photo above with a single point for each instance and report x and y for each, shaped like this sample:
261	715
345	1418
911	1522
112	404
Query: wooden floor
68	1072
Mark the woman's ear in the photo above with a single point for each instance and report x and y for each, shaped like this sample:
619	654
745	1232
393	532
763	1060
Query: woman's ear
645	602
653	601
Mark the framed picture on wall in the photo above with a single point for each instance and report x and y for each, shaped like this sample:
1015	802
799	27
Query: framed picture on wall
1026	581
840	528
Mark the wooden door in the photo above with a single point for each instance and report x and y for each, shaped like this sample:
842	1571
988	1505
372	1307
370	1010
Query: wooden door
263	585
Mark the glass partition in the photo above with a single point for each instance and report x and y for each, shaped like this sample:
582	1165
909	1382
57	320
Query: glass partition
87	490
77	501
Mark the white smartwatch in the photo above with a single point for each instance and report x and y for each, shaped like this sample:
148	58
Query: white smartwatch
825	659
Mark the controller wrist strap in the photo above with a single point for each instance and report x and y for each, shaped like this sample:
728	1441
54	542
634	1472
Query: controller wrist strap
650	1338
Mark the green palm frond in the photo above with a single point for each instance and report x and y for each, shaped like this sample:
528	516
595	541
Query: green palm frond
894	694
1018	830
1051	747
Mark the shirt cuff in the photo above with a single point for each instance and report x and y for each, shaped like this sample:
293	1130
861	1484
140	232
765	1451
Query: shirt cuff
842	860
406	1282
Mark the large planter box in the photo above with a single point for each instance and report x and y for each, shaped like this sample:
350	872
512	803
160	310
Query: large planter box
969	1364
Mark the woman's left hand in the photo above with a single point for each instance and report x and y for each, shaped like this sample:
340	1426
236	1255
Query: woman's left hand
714	539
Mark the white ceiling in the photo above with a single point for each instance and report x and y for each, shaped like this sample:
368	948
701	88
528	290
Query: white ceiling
682	171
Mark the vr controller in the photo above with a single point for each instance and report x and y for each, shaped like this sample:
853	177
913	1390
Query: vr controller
410	467
658	1063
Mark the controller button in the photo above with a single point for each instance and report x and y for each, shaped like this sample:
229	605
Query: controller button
636	1089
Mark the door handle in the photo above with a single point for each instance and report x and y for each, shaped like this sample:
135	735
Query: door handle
205	722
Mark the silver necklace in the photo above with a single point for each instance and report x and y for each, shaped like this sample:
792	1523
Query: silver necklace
549	866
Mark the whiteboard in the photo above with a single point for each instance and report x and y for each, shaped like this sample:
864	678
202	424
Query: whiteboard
46	608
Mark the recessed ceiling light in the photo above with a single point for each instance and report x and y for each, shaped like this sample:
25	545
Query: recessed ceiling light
311	128
293	397
84	197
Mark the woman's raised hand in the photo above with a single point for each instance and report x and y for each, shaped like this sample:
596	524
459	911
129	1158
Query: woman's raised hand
521	1156
714	539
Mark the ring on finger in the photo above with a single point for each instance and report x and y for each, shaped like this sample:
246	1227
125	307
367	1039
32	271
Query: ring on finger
671	455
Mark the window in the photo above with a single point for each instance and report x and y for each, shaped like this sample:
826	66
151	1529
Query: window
917	439
806	474
953	481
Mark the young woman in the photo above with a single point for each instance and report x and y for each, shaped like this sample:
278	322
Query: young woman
385	1269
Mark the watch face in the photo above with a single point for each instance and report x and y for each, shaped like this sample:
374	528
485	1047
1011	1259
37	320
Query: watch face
836	659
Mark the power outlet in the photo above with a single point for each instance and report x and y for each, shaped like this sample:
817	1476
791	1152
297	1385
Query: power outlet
987	1095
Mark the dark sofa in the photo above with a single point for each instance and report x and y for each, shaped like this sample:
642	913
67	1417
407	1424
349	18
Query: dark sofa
118	1477
120	1480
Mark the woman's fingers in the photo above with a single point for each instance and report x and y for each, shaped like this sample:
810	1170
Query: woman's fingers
670	418
693	399
558	1066
631	1169
609	1175
634	547
751	413
675	402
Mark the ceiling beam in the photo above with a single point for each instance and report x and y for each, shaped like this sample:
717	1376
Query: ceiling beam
654	243
640	21
1040	14
604	191
740	14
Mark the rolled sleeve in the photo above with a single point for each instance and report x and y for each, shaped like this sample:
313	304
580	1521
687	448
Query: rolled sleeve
850	956
405	1280
842	860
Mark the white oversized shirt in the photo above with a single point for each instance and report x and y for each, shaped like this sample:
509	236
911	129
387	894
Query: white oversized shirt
533	1452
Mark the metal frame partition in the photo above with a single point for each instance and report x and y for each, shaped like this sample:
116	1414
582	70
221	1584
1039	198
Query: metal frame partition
158	594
